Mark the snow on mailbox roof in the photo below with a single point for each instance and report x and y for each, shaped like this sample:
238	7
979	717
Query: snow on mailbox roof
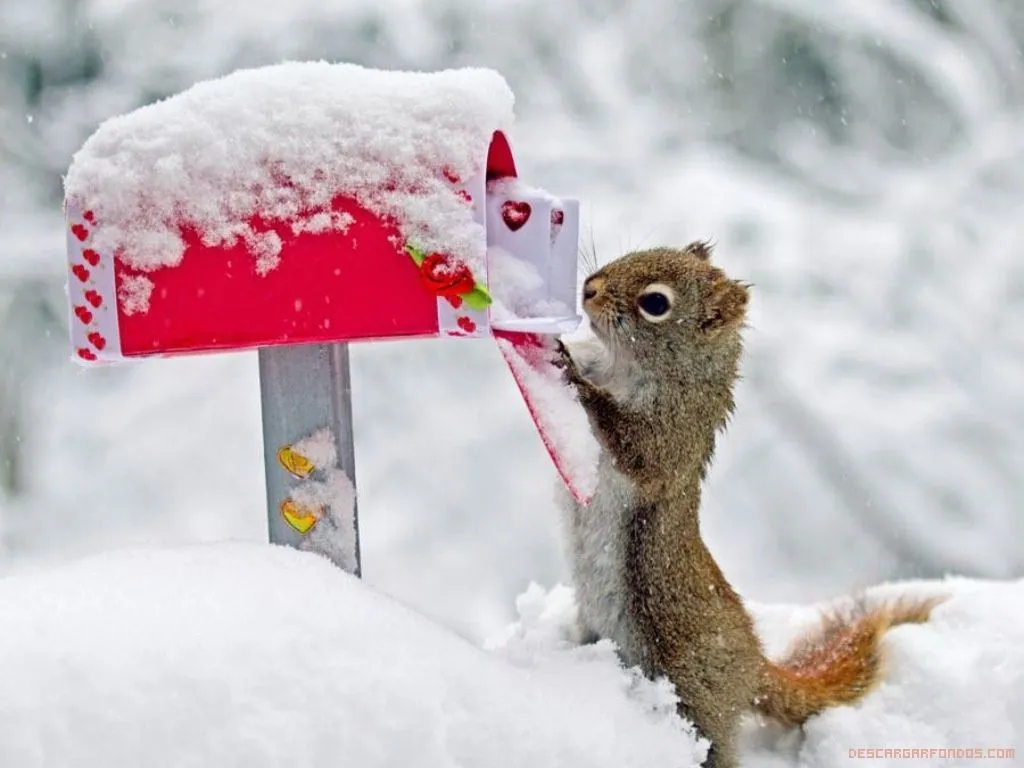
282	141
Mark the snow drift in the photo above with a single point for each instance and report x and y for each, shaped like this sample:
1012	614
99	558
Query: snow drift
245	655
248	655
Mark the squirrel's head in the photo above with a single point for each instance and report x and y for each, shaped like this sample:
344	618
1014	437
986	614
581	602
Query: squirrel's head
666	304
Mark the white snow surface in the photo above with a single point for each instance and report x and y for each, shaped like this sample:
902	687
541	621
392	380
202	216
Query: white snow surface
134	293
334	535
283	141
245	655
954	683
255	655
319	448
518	289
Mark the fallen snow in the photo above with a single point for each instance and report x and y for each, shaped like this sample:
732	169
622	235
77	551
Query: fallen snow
133	294
248	655
518	289
319	448
334	535
955	683
256	655
283	141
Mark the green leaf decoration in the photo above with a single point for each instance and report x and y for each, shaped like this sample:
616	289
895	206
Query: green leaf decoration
417	255
478	298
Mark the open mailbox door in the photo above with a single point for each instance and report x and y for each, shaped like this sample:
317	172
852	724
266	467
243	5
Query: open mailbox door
294	209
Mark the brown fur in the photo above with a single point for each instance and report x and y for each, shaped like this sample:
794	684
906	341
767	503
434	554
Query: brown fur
682	618
839	665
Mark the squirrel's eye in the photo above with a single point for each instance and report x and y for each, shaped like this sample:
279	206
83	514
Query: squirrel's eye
655	303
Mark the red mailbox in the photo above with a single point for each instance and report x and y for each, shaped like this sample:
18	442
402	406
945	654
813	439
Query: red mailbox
307	205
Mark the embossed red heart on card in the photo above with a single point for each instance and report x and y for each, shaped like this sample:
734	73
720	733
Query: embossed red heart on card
80	232
97	340
94	298
86	354
83	314
515	213
91	256
80	272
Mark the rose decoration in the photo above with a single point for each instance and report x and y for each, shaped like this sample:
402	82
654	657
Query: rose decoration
449	279
442	278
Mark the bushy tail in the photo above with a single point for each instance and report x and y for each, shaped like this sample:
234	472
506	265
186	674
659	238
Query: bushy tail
837	666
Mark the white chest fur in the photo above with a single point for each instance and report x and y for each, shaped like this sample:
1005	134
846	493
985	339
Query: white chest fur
596	542
596	533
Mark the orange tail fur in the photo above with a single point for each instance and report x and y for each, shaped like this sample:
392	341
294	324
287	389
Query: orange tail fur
838	666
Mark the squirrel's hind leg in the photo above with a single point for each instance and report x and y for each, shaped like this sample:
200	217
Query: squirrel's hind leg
721	729
722	752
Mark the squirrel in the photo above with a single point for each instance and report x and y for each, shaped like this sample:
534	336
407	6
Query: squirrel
657	384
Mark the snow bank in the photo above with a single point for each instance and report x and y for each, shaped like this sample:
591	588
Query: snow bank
247	655
282	142
955	683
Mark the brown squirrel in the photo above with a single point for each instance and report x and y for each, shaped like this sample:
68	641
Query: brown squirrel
657	385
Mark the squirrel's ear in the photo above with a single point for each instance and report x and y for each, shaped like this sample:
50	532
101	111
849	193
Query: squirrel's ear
701	249
726	306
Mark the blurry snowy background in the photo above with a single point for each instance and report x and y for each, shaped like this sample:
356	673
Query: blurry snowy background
860	161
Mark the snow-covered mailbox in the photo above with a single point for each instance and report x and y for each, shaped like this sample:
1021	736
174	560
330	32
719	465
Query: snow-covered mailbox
295	208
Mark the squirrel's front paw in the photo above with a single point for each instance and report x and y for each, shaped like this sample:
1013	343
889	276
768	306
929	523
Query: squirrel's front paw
564	361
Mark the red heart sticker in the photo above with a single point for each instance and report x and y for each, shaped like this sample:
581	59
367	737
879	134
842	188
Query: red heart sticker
91	256
80	232
86	354
94	298
80	272
515	213
89	216
97	340
83	314
466	324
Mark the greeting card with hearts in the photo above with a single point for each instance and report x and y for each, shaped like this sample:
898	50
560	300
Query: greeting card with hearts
532	239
